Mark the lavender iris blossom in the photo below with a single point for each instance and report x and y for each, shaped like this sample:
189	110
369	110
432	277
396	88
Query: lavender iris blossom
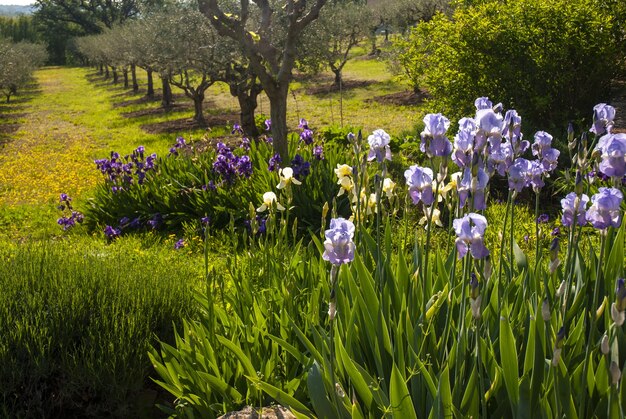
179	244
603	116
489	124
237	129
379	146
605	208
464	143
518	174
542	148
306	136
268	125
318	152
434	140
420	183
483	103
470	231
111	232
338	246
571	214
474	187
274	163
612	149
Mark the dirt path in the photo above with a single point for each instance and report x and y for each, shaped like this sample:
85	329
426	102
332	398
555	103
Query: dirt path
51	151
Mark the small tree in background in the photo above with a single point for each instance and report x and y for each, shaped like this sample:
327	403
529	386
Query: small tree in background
330	39
17	63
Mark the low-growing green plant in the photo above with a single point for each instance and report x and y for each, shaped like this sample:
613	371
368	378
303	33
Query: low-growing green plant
78	317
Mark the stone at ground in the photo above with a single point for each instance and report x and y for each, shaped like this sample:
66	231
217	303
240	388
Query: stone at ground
274	412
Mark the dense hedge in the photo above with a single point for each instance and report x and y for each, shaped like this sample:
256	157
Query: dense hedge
552	61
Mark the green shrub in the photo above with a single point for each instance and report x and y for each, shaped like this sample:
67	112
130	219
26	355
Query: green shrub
77	319
552	61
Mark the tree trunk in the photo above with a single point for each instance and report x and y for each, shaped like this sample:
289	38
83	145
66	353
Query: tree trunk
278	114
115	77
133	73
150	92
106	72
338	80
198	116
166	98
101	70
125	72
248	104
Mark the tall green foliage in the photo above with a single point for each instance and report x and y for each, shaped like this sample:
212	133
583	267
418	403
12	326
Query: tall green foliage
552	61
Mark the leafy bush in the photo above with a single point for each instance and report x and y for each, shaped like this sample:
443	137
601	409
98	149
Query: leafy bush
552	61
77	321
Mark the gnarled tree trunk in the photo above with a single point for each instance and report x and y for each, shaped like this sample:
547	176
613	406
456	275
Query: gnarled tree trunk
150	92
166	98
125	73
133	74
115	76
198	99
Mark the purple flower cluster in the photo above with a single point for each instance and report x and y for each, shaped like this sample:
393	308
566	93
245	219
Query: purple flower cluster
420	183
470	231
111	233
274	163
301	168
180	144
612	151
379	146
229	166
434	140
306	135
179	244
121	172
603	213
74	217
318	152
338	246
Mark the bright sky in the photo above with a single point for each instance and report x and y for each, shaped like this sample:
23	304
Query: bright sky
17	2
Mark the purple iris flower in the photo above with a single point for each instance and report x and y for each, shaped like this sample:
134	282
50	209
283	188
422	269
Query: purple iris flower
500	158
489	124
542	148
483	103
306	136
464	143
518	174
205	220
303	124
301	168
470	231
268	124
473	187
111	232
572	214
245	143
179	244
338	246
318	152
379	146
612	149
420	183
605	208
274	163
512	124
543	218
434	140
603	116
237	129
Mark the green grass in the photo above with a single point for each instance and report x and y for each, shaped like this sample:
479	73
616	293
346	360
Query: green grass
78	317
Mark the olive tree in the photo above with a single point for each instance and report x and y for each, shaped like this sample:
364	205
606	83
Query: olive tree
268	32
17	63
